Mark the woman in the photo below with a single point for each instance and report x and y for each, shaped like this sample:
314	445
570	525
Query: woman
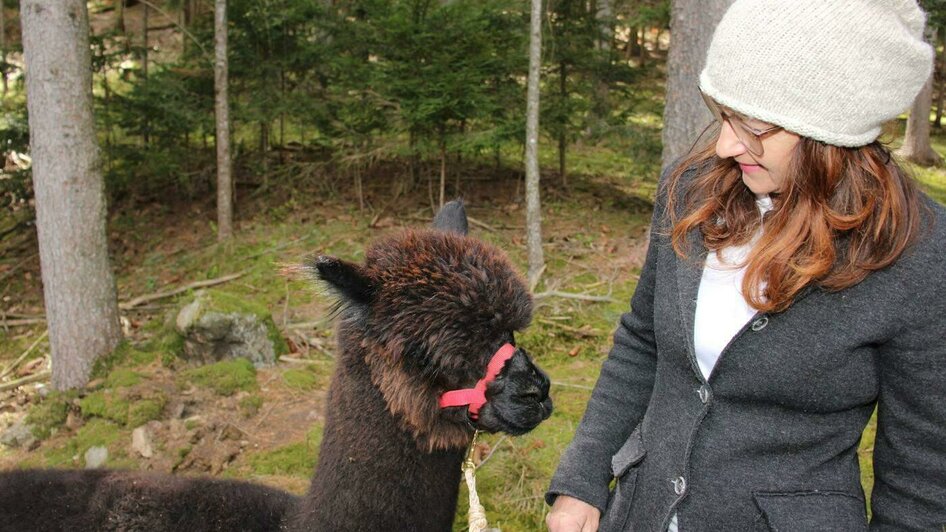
795	280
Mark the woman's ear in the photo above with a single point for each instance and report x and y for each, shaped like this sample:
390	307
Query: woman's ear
346	279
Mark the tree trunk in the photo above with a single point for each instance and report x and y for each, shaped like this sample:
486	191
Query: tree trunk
443	168
942	84
533	205
916	140
563	125
120	17
685	115
222	112
78	286
144	65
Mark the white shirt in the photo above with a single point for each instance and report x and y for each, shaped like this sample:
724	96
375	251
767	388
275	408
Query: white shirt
721	308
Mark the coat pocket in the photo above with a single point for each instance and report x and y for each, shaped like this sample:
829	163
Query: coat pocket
804	511
622	467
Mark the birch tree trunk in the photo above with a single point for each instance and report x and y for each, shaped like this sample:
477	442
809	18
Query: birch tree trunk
78	287
691	28
533	205
938	122
916	140
222	113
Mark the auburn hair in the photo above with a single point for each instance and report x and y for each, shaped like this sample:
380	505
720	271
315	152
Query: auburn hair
841	213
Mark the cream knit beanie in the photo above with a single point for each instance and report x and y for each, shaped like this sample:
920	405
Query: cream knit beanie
831	70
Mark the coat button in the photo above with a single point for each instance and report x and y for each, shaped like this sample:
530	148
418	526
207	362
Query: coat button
679	485
760	323
704	393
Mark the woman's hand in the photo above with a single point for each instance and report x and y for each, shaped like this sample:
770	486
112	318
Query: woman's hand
569	514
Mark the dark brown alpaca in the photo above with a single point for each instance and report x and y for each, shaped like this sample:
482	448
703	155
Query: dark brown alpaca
422	316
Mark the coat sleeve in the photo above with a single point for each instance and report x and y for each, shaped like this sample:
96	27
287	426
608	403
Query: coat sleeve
621	394
910	448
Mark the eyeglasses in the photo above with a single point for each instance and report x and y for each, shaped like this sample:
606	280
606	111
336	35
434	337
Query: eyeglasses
749	136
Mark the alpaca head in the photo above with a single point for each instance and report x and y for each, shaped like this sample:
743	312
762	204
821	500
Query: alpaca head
427	310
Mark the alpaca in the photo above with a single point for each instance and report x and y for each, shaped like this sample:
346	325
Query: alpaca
423	316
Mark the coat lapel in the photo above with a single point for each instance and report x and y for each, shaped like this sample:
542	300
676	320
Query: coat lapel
689	274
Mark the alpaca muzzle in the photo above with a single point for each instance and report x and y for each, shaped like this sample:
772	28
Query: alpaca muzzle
476	396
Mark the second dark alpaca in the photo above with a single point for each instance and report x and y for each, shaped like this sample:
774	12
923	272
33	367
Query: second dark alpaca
423	315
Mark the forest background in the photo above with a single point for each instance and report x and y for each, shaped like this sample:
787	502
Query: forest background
349	120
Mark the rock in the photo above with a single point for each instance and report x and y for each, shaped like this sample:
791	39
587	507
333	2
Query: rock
18	435
95	457
217	326
141	441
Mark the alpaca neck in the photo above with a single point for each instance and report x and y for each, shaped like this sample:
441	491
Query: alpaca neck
371	475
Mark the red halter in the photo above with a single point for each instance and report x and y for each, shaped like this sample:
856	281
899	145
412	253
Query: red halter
476	396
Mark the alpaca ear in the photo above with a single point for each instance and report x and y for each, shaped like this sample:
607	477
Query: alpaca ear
345	278
452	218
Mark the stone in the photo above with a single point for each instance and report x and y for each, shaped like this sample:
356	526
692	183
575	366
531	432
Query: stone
141	441
95	457
217	326
18	435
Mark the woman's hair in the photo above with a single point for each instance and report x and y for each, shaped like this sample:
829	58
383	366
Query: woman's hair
841	213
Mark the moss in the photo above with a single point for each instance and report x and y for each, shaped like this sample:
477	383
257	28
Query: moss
250	405
296	459
144	410
97	432
49	414
123	378
300	379
224	378
104	364
105	404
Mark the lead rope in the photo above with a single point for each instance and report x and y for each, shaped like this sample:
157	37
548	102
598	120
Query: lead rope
476	518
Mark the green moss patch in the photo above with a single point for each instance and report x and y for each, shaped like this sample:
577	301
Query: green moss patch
297	459
97	432
123	378
224	378
49	414
121	409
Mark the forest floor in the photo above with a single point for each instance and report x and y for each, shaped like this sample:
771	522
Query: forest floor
266	426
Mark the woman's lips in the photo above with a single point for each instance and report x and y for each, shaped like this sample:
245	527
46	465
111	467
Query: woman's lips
750	167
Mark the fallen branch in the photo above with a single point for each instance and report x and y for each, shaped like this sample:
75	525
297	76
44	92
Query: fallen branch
22	323
22	357
478	223
294	360
585	331
570	385
569	295
161	295
36	377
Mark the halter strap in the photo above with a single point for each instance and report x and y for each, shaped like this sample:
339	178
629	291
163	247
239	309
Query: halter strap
476	396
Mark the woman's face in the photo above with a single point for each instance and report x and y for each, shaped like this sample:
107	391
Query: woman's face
765	173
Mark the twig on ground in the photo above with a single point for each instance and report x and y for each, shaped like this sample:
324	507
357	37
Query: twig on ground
6	371
569	295
293	360
17	266
22	323
580	331
168	293
478	223
36	377
492	450
570	385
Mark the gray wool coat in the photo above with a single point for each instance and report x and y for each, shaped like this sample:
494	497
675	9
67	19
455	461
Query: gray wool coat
769	441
